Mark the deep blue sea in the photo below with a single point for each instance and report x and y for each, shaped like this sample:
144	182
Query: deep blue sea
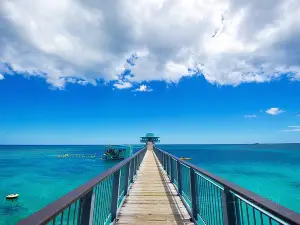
40	177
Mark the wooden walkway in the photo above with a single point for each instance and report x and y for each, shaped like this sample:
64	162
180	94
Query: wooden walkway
152	198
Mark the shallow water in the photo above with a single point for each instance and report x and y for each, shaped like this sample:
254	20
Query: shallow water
272	171
40	177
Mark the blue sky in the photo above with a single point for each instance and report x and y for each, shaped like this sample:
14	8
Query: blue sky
192	111
93	75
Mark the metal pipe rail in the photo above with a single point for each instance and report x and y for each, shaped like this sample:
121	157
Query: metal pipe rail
211	200
96	202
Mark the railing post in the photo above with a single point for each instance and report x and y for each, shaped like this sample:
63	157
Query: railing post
179	177
131	170
134	166
172	170
139	161
126	179
85	208
228	207
169	168
193	193
167	164
115	195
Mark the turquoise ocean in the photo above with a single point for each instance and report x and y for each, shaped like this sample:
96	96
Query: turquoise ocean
40	177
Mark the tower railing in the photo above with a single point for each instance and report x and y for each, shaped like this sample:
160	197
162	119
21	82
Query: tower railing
96	202
211	200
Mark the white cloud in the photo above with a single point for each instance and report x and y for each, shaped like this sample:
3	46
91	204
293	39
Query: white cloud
91	40
123	85
250	116
143	88
274	111
293	129
1	77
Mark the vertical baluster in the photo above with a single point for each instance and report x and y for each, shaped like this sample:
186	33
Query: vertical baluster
96	209
208	207
237	210
254	218
107	198
131	170
79	211
85	206
101	213
193	190
261	218
205	197
62	216
69	215
211	191
241	210
247	211
126	179
270	221
215	193
115	195
166	161
136	166
172	170
179	178
228	207
74	216
200	196
220	204
168	166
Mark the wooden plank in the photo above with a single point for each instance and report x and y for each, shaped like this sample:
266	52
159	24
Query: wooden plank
152	198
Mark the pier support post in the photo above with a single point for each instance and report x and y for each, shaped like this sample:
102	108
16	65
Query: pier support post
193	193
228	207
115	195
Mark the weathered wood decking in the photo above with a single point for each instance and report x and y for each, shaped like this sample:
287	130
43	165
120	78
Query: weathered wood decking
152	198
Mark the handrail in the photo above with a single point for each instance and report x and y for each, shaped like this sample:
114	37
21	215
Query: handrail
233	191
80	194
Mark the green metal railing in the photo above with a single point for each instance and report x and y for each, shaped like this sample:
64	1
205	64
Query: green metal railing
211	200
96	202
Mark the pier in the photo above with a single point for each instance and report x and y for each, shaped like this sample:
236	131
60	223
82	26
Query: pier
155	187
153	199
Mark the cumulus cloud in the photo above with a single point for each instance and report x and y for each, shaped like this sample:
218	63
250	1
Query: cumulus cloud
122	85
293	129
1	76
229	42
143	88
274	111
250	116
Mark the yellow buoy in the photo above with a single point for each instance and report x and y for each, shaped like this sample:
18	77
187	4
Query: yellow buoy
12	196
